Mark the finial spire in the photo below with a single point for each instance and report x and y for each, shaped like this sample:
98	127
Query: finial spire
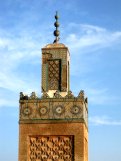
56	32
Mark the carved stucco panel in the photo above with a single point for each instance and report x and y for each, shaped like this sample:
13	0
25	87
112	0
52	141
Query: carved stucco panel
51	148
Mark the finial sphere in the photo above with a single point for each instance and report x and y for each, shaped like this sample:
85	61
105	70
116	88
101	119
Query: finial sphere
56	17
56	33
56	24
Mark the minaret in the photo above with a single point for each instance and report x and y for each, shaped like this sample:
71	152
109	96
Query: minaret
55	66
54	127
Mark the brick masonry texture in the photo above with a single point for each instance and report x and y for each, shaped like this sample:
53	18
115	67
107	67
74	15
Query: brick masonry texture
77	130
56	120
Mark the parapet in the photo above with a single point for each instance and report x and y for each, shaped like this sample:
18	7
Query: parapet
46	109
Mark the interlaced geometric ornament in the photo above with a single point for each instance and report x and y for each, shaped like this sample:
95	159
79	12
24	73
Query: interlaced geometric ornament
75	110
27	111
51	148
59	110
54	74
43	110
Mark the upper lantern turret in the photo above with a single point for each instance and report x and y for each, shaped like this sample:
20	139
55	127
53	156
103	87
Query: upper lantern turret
56	32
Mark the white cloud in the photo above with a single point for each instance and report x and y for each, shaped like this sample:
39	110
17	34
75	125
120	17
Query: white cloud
89	44
97	95
100	96
103	120
12	82
14	50
4	102
91	36
3	42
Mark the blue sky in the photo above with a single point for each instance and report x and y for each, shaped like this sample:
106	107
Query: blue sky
92	31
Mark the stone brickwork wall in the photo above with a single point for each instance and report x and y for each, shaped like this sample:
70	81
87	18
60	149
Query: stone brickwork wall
62	130
54	127
56	109
55	52
53	118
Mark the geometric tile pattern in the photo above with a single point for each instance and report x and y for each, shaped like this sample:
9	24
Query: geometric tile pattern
51	148
55	54
54	74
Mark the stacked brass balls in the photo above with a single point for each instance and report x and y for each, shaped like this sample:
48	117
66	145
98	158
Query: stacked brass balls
56	32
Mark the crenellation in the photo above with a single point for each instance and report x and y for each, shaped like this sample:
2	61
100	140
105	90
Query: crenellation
56	94
68	108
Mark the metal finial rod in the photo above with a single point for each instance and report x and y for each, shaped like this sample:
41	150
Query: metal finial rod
56	32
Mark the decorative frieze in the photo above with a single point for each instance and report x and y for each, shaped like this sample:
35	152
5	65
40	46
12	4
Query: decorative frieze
51	148
55	108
